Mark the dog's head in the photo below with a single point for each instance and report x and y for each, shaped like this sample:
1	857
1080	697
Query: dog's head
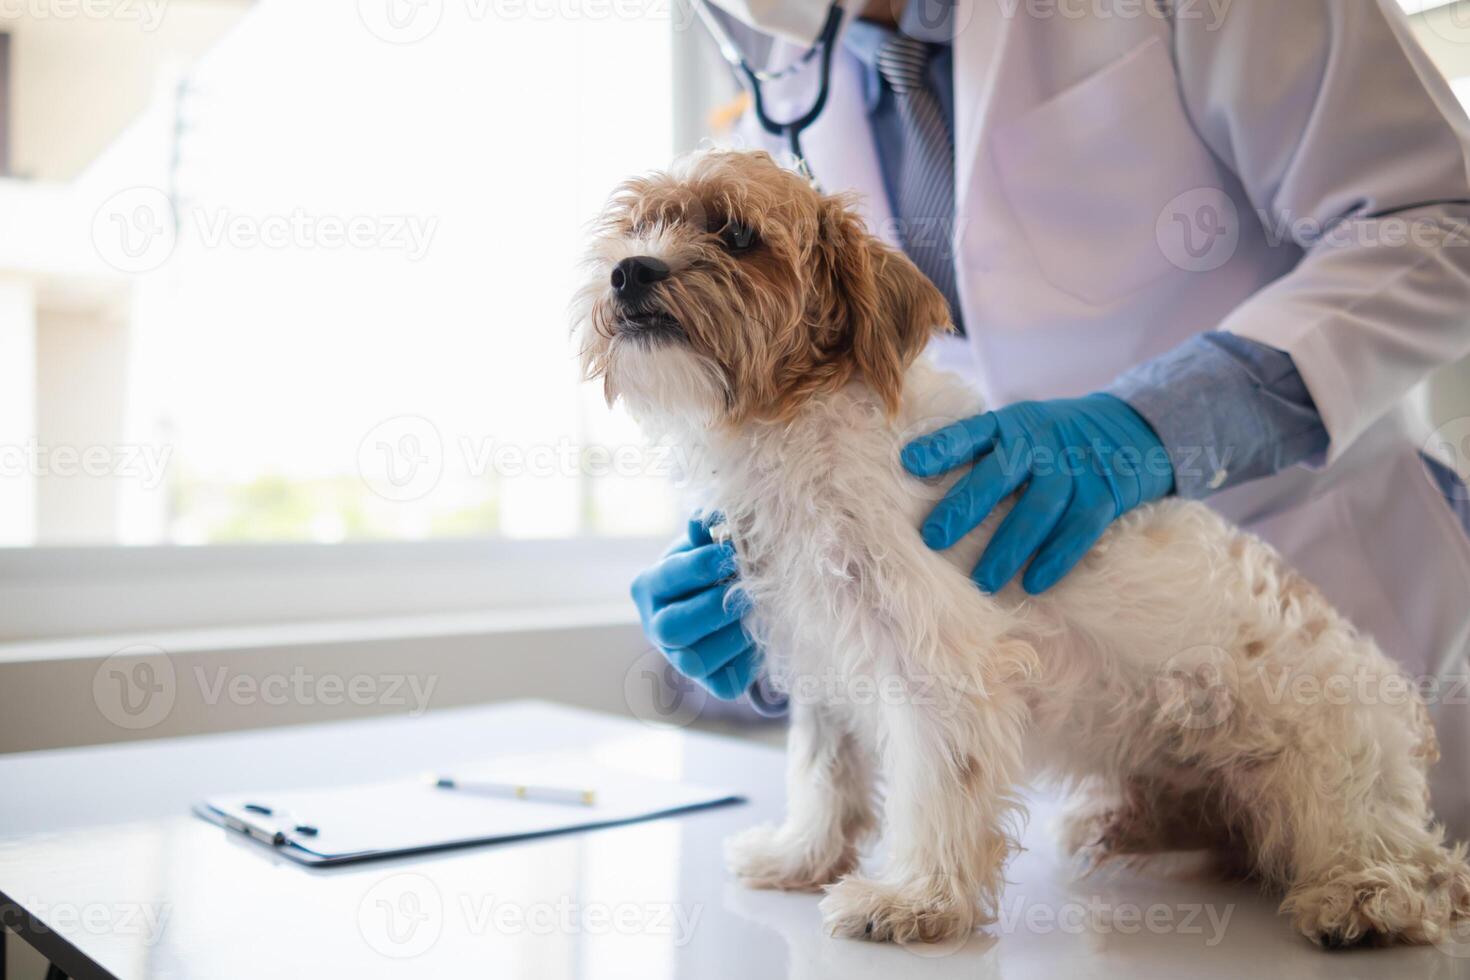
729	290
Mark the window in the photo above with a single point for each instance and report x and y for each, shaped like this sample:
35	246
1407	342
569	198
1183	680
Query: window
316	288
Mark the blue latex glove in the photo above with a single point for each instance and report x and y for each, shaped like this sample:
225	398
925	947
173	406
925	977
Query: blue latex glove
1085	462
682	603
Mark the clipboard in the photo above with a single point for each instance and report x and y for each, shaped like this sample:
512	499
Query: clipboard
349	824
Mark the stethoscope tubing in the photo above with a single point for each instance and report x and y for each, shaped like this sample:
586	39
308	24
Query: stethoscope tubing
821	49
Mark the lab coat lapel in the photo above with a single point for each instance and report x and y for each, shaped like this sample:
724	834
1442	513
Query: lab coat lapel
984	29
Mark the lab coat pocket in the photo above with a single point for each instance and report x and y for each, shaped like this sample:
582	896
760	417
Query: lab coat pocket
1089	173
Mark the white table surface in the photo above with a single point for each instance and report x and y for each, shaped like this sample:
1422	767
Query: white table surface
121	882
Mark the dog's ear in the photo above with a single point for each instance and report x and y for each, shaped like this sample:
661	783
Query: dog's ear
887	308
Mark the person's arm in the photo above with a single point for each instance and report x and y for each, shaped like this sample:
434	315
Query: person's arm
1350	144
1227	409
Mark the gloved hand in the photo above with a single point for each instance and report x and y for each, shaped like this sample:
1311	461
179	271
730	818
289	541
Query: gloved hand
1085	461
682	603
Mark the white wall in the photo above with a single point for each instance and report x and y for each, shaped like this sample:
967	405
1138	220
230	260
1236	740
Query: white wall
78	81
81	377
17	410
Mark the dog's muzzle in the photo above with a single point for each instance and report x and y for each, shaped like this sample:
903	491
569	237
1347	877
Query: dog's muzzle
633	281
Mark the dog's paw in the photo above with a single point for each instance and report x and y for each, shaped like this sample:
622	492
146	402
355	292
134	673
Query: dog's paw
1092	834
909	912
769	857
1383	905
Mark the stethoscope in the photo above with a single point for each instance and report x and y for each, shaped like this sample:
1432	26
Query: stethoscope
821	49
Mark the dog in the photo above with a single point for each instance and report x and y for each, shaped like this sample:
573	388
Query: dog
754	320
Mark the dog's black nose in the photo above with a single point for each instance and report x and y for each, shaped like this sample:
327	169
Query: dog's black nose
631	278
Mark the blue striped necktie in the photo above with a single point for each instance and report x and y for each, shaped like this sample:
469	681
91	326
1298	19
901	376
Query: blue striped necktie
924	183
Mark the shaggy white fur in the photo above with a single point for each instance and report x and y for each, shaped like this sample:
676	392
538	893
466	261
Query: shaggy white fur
1194	690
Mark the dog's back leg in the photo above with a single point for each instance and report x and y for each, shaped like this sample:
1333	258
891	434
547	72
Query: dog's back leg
1107	820
1346	831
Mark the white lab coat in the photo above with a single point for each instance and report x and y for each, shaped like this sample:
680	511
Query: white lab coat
1090	142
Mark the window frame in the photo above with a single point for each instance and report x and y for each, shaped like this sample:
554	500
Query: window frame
62	592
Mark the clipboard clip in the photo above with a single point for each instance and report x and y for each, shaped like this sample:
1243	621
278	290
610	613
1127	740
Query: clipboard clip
264	830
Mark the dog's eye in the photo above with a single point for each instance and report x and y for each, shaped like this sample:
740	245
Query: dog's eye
737	237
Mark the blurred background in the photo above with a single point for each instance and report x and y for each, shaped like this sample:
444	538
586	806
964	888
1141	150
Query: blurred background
262	255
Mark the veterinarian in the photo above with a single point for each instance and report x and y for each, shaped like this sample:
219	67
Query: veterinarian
1209	246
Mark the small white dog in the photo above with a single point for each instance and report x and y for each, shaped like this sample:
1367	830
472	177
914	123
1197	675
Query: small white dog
757	322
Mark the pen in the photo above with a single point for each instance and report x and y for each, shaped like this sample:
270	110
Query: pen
517	791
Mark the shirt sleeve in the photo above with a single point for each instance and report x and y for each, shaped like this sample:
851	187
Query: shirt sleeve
1350	145
1227	409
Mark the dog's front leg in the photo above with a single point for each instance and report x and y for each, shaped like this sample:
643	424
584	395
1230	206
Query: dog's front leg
949	773
829	809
